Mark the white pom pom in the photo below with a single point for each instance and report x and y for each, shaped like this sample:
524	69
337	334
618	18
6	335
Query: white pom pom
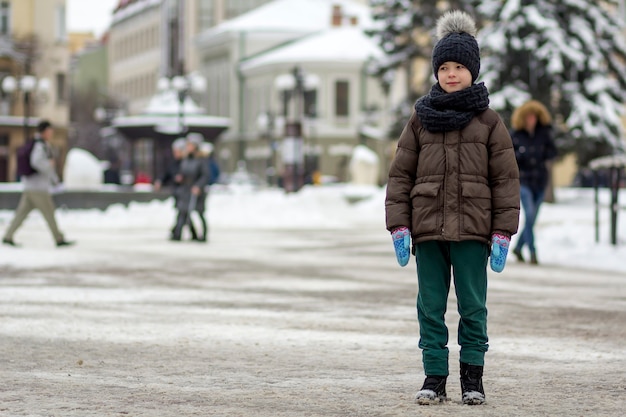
455	21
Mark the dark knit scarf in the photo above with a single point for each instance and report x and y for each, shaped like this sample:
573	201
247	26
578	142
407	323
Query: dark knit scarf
443	112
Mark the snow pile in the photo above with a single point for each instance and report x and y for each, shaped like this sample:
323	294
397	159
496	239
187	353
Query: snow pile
82	171
364	166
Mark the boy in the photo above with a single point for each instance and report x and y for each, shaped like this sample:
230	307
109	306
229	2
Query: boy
454	189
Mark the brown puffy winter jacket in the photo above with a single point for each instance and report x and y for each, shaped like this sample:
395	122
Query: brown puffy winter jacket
457	185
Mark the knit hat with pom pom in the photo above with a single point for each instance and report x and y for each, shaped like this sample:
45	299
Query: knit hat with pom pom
456	31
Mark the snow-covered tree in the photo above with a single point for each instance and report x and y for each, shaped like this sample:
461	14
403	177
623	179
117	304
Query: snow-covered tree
570	55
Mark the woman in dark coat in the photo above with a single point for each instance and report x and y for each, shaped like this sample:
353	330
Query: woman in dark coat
534	147
192	177
168	179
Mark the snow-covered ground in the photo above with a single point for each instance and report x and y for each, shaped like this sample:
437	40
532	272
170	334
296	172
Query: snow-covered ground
565	230
295	307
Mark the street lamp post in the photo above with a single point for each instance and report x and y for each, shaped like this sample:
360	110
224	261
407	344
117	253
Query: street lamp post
175	91
28	85
183	86
266	123
294	84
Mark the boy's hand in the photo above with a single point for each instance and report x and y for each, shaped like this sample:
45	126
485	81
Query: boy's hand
402	243
499	251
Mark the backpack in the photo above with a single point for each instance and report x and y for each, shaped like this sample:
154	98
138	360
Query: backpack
24	168
214	171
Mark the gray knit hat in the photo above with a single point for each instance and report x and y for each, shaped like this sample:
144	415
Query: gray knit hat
456	31
179	144
195	138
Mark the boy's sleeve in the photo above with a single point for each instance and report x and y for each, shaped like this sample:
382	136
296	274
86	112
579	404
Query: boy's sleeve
504	181
402	178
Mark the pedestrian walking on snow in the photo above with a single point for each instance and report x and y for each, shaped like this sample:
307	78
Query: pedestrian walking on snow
192	176
36	194
532	134
171	179
453	190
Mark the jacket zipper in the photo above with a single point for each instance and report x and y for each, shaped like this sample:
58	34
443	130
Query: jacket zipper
443	190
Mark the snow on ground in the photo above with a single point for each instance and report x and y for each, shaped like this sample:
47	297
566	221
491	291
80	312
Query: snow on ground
565	231
295	307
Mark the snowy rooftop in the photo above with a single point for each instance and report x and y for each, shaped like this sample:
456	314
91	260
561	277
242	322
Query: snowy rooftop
291	15
340	45
167	103
128	9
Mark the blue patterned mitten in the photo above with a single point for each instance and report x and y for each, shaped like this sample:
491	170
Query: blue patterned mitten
402	243
499	251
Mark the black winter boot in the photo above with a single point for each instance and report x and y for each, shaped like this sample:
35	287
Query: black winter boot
472	384
433	391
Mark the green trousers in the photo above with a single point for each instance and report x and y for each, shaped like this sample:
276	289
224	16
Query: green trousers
30	200
436	261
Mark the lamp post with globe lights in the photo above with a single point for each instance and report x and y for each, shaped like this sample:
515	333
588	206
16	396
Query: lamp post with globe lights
294	85
28	86
183	86
266	124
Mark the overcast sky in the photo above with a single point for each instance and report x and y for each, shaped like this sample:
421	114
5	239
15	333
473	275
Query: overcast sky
89	15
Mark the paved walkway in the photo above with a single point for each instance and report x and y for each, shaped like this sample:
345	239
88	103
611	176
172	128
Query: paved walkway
285	323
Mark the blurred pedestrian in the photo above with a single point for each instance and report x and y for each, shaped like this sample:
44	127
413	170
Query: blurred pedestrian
454	190
37	185
532	134
193	176
170	179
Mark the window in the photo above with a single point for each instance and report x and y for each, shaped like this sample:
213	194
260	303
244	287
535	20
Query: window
310	103
285	98
218	82
309	107
236	8
61	88
342	102
205	14
5	18
61	29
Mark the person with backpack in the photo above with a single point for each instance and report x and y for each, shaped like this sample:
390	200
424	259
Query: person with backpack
36	168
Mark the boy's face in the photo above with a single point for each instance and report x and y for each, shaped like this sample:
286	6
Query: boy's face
453	77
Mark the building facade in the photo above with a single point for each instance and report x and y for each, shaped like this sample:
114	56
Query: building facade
150	39
243	58
154	39
34	57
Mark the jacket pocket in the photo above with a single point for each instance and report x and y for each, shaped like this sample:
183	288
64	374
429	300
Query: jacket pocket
476	207
426	204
